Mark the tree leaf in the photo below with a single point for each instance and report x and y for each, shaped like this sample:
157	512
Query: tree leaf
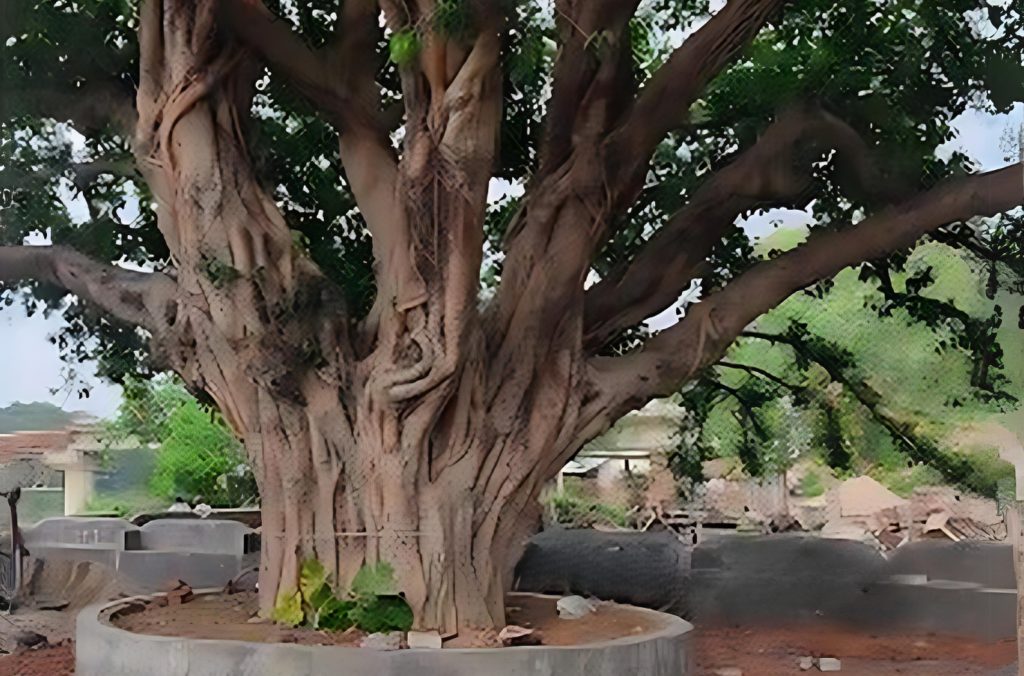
336	615
312	578
375	580
382	614
288	608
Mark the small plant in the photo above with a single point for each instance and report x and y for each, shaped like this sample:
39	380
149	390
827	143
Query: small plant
404	46
811	485
572	508
219	273
371	605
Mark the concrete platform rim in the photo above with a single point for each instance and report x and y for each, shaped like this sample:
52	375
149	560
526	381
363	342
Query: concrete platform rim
89	618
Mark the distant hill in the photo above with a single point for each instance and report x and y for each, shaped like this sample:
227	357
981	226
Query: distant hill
37	417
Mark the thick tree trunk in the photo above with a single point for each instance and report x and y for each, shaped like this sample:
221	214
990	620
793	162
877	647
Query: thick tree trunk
451	533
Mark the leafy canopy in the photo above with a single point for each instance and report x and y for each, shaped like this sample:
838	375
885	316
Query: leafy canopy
898	71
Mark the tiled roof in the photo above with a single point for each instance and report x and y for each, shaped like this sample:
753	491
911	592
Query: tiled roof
21	445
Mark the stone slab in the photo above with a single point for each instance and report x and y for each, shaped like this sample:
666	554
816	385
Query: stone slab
211	536
154	570
77	530
104	650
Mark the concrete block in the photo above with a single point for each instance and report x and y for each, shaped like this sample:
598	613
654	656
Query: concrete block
424	639
195	535
154	570
77	530
104	554
829	664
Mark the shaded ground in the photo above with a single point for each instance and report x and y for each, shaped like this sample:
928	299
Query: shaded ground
776	652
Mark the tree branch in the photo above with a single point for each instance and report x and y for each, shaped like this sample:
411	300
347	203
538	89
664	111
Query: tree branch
664	102
955	468
584	77
709	328
775	171
89	107
763	373
138	298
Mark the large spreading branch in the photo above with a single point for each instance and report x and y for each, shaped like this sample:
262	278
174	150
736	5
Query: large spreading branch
777	170
710	326
339	81
90	106
664	102
592	75
138	298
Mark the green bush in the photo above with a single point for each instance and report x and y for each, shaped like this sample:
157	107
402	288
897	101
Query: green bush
371	605
200	456
571	507
811	485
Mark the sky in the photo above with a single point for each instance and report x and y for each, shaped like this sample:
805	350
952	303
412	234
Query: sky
31	370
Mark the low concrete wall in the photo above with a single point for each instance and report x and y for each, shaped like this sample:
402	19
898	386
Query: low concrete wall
206	536
742	580
793	578
105	650
203	553
72	530
990	564
642	569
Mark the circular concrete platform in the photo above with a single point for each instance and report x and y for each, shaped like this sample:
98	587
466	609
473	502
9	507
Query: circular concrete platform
102	649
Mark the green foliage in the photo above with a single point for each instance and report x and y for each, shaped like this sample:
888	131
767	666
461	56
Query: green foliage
198	450
374	580
321	608
197	453
861	379
811	485
899	72
404	46
372	605
288	608
452	18
145	410
571	507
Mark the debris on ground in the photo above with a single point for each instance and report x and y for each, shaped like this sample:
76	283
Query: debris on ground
805	662
514	635
574	607
380	641
728	671
178	594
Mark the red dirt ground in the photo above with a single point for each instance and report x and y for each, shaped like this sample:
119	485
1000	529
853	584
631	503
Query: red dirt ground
776	652
56	661
229	617
761	652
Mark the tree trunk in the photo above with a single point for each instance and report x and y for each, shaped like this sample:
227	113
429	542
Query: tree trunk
451	535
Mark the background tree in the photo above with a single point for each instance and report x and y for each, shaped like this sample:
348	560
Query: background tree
196	452
306	188
848	376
